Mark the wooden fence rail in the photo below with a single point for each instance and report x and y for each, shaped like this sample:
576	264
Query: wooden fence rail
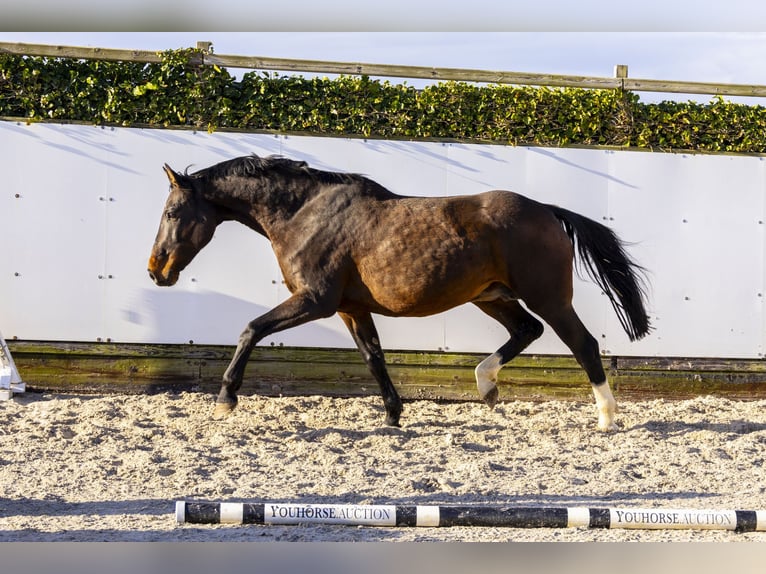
207	57
124	368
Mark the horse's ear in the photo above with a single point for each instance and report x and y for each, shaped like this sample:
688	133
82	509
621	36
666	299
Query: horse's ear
174	177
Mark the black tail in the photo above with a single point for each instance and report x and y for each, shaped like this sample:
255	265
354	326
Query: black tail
607	263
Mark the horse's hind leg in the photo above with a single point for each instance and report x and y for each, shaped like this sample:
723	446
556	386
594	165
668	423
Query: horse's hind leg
585	349
522	327
366	338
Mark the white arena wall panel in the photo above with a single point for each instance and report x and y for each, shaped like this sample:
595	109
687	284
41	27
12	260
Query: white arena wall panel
81	204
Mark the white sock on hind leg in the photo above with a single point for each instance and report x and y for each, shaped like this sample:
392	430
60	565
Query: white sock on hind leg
486	374
606	406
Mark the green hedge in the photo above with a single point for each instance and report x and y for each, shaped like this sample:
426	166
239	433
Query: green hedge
178	93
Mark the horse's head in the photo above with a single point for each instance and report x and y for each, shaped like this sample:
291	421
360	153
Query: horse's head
187	225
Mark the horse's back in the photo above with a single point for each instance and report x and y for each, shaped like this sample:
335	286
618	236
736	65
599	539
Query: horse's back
420	256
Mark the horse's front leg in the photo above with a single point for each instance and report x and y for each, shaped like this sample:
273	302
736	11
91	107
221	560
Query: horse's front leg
297	310
365	336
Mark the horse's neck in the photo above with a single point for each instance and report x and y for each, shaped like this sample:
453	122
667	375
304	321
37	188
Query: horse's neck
260	207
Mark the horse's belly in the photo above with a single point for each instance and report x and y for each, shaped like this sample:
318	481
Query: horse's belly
427	289
408	305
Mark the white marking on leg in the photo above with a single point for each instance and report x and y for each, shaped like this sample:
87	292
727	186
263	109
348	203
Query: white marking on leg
486	374
606	406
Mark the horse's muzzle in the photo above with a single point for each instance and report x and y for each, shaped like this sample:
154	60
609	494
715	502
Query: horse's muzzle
161	271
163	281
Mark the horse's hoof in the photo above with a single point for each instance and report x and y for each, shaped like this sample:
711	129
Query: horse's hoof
392	422
222	410
491	397
607	428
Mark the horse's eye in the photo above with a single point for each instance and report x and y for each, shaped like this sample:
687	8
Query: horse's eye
171	213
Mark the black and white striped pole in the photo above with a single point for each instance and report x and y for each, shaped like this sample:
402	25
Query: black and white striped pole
275	513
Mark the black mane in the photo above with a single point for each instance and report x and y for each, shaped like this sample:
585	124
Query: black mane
255	166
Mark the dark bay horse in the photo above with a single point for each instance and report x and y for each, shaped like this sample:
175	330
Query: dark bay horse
347	245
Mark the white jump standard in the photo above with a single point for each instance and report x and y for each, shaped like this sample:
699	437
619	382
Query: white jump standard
274	513
10	380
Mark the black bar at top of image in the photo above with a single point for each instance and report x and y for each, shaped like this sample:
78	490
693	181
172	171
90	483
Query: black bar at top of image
599	518
525	517
203	512
747	520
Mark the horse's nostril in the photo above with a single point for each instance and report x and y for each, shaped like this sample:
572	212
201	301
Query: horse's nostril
151	275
